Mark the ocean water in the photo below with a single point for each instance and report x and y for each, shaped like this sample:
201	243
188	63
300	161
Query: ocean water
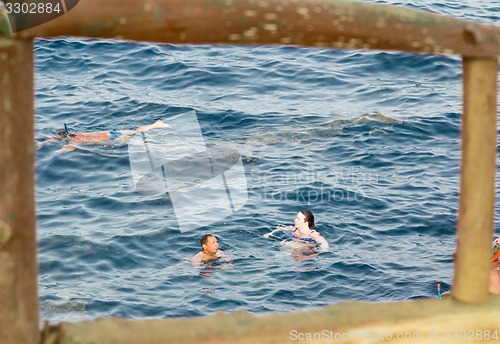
367	140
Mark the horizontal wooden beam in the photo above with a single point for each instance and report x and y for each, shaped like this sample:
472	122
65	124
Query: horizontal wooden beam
422	321
317	23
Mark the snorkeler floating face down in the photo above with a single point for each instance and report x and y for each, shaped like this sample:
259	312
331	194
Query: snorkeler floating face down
97	137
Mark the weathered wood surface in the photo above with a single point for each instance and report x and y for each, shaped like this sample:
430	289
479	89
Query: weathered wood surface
321	23
477	180
19	269
426	321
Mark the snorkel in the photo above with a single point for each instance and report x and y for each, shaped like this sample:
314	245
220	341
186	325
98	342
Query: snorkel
64	134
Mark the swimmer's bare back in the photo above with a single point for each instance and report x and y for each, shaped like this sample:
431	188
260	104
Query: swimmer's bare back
91	138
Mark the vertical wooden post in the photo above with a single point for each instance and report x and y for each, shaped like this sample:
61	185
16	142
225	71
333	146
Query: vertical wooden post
19	270
477	182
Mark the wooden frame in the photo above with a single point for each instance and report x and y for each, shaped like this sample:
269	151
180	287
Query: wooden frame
320	23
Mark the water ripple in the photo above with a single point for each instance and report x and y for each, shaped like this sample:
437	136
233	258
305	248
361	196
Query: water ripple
369	141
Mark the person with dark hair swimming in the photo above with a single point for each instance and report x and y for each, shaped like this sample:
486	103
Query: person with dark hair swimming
98	137
304	230
210	251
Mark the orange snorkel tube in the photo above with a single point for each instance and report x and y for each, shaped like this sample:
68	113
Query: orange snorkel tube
495	257
496	250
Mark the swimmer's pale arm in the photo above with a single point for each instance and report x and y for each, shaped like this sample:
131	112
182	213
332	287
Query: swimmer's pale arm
41	144
323	245
321	241
278	229
66	148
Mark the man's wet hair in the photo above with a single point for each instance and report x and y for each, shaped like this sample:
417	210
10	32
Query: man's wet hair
204	239
64	134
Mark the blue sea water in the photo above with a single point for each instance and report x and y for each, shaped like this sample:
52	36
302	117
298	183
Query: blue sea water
367	140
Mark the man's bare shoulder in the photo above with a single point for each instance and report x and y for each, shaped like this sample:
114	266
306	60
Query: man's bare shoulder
196	260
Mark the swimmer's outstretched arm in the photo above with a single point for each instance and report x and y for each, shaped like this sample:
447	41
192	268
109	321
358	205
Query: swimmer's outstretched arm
66	148
41	144
278	229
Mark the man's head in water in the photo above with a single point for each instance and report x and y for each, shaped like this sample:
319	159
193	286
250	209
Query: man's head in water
305	220
63	134
209	244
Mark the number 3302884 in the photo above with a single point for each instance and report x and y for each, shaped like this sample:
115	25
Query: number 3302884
33	8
